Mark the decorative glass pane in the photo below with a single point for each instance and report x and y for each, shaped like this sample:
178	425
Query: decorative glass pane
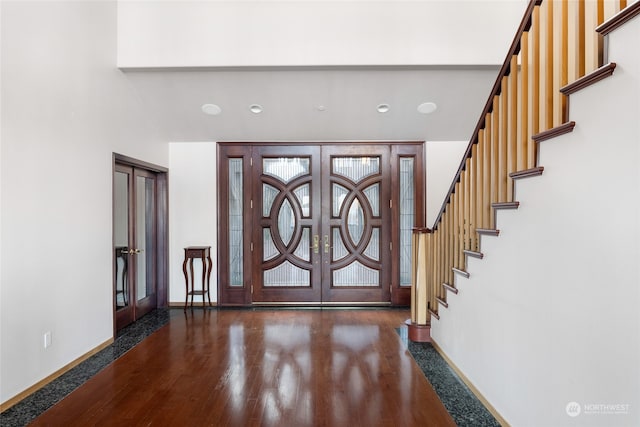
269	249
339	250
373	248
269	194
356	168
356	274
303	250
286	222
121	237
145	204
355	221
302	193
373	195
407	203
287	274
286	168
338	194
236	258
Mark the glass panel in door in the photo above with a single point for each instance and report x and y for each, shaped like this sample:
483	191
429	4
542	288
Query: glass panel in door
124	266
145	248
121	238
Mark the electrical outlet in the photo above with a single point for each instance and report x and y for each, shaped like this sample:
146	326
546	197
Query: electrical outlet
47	339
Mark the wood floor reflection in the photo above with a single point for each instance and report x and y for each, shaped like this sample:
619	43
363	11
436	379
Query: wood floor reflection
262	367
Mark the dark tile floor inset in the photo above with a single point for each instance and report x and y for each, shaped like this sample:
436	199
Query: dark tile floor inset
461	403
33	405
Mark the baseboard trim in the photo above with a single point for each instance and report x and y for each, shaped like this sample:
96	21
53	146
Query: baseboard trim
469	384
66	368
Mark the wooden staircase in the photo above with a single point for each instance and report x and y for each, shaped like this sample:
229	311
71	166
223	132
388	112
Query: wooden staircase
551	58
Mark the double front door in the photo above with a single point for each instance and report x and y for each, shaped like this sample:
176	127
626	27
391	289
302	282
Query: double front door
316	224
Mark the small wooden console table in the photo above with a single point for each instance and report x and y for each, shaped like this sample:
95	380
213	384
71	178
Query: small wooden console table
204	253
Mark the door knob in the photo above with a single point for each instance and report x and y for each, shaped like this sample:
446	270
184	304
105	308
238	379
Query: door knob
316	244
326	244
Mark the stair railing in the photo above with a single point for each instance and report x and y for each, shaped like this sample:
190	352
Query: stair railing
555	45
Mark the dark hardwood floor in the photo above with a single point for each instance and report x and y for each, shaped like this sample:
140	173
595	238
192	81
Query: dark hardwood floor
261	367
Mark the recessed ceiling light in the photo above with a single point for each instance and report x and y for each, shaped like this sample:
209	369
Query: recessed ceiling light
427	107
255	108
211	109
383	108
321	108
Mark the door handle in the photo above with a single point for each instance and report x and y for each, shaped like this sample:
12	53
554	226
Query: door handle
316	244
326	244
137	251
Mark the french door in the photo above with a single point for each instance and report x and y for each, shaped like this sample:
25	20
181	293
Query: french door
315	224
135	245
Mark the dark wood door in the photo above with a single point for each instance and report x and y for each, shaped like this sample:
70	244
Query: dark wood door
318	224
286	235
322	232
356	222
135	245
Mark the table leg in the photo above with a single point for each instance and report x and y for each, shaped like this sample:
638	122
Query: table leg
186	283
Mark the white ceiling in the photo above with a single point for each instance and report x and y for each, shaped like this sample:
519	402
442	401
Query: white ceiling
291	97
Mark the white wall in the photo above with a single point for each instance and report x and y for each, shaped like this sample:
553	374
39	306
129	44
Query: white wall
442	160
193	212
550	315
65	109
307	33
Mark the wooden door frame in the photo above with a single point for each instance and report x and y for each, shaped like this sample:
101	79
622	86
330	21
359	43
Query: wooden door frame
162	225
241	295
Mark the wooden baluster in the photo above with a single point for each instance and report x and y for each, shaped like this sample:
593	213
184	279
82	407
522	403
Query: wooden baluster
503	123
435	268
452	236
581	54
564	54
480	180
486	178
547	95
439	252
473	197
534	90
444	243
572	41
432	303
599	39
495	157
468	203
445	247
593	41
523	116
460	225
512	138
559	62
462	219
456	224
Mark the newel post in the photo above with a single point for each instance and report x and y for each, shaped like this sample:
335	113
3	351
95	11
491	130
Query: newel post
419	325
